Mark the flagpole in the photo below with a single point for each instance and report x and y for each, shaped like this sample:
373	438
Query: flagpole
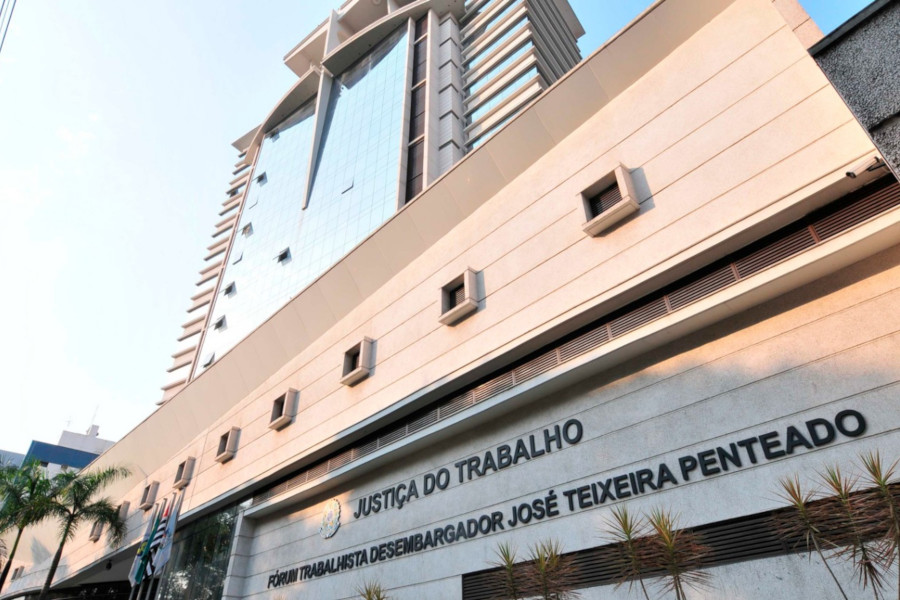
140	588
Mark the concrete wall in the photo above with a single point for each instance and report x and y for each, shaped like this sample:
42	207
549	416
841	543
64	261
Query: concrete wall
807	354
862	60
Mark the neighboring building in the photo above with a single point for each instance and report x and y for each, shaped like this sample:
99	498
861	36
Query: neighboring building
653	286
862	60
11	458
74	451
385	103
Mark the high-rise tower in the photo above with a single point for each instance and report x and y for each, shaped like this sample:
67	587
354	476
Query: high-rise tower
389	96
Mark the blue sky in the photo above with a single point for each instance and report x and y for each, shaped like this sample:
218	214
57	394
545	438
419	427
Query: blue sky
116	120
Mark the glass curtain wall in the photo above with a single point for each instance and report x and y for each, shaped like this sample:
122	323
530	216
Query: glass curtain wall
279	247
197	567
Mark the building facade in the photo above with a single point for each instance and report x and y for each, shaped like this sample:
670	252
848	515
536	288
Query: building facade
388	97
650	285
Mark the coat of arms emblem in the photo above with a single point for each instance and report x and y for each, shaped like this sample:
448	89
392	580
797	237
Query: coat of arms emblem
331	518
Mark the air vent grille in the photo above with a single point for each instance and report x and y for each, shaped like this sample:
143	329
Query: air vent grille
605	200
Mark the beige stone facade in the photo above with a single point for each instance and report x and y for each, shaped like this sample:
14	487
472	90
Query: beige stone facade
727	131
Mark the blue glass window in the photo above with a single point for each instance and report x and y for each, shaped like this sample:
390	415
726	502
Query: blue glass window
354	190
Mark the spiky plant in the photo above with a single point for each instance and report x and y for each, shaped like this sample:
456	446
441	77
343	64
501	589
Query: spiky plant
550	573
676	552
856	542
371	590
887	504
628	532
506	560
803	522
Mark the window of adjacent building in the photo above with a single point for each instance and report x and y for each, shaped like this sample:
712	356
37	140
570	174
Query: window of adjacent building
415	167
220	323
421	26
208	359
420	56
247	230
230	289
366	111
417	113
283	256
261	179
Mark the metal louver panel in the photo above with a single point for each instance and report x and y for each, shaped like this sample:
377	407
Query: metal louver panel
639	316
336	462
457	296
493	387
584	343
858	212
318	470
775	252
424	421
605	200
393	436
456	404
366	449
536	366
715	281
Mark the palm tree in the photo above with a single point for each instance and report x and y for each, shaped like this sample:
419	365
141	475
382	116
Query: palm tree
73	503
24	492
